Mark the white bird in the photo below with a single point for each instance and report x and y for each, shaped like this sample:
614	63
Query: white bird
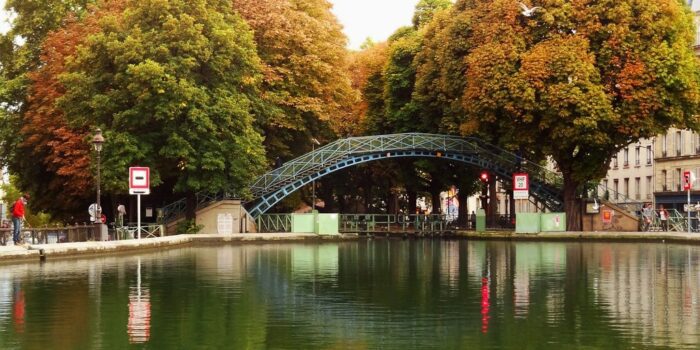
528	11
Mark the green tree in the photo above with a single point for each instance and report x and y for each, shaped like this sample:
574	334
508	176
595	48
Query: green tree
426	9
173	84
20	49
578	80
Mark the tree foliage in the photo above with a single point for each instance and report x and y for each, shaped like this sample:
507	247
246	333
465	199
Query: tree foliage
173	84
578	80
302	48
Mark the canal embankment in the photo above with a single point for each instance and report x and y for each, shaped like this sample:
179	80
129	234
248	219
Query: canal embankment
39	252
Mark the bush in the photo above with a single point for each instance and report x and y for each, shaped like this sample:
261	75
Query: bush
188	227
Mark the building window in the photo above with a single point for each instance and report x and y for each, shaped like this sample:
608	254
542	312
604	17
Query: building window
649	157
664	145
664	184
697	144
679	181
627	187
638	188
626	157
616	189
650	188
679	143
637	156
615	162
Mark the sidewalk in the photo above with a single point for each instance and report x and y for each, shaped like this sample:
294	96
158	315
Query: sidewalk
656	236
61	250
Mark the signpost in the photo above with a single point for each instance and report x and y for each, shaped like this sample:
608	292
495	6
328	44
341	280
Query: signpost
139	183
521	187
688	180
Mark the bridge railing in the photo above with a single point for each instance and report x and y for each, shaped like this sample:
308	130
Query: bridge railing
269	223
310	163
377	223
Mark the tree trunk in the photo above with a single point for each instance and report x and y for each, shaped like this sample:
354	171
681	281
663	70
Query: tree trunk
571	203
511	203
463	213
493	203
412	199
191	205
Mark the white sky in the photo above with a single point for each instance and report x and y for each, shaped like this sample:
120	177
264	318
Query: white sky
376	19
4	25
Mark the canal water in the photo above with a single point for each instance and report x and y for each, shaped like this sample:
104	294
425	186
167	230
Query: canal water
376	294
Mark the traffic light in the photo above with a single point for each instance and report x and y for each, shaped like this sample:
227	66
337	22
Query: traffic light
686	180
484	176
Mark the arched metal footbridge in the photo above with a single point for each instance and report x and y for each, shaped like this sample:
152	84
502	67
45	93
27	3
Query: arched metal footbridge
272	187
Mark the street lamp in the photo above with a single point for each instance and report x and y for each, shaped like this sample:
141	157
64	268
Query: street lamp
314	142
97	142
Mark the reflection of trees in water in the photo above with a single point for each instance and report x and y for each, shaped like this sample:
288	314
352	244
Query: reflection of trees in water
367	294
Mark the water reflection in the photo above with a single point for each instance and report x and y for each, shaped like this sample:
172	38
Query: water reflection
139	325
367	294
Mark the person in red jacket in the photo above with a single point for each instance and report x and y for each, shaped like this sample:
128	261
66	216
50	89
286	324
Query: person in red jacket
18	217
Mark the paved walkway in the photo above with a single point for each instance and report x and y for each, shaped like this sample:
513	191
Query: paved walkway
36	252
59	250
670	236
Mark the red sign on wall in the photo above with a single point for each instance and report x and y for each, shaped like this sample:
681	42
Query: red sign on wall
607	216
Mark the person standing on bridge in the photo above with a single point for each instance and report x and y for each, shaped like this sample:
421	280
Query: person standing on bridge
648	216
663	215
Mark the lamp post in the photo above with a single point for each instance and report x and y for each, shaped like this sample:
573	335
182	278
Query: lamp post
97	142
314	142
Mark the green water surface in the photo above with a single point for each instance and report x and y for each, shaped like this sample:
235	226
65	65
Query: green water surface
376	294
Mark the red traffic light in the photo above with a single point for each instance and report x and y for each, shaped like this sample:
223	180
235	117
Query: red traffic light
484	177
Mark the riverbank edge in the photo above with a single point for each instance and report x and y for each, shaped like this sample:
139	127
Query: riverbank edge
39	252
649	237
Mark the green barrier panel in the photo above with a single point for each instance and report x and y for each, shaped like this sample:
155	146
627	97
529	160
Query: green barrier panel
553	222
302	223
480	220
327	224
527	223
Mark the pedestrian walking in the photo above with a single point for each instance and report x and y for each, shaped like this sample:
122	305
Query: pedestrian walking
121	211
647	216
663	216
18	217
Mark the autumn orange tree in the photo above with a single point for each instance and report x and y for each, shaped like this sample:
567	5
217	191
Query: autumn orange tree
572	80
302	48
60	154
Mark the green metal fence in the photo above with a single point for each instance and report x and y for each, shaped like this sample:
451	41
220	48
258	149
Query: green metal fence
274	223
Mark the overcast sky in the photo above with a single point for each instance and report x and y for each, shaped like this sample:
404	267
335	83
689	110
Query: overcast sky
376	19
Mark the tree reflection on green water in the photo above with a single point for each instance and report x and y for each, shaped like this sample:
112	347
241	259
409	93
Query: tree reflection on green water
410	294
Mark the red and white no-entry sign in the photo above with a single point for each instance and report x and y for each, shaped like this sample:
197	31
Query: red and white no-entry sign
139	180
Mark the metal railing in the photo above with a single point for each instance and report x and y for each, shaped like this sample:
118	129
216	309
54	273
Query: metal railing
77	233
131	232
269	223
677	221
378	223
45	235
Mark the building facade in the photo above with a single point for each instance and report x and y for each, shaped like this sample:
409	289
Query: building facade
676	151
631	175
